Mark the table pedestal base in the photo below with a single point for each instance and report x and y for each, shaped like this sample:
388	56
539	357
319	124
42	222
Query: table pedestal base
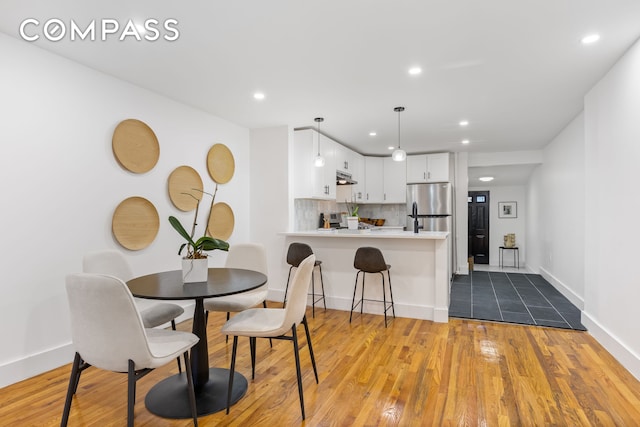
169	398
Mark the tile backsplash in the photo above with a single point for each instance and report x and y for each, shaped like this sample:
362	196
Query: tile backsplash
307	212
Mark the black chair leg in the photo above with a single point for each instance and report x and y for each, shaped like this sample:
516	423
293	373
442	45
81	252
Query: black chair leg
73	385
232	369
252	344
264	304
226	340
173	326
287	287
313	359
192	394
131	392
297	355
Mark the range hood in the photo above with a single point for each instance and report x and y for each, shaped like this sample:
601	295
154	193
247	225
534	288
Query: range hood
344	179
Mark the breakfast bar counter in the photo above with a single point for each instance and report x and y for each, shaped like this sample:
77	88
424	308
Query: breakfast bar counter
420	269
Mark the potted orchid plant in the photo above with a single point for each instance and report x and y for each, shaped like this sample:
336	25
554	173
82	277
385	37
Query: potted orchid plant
352	218
195	261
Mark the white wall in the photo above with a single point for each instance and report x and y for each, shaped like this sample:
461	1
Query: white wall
498	227
461	183
612	135
271	202
557	217
60	185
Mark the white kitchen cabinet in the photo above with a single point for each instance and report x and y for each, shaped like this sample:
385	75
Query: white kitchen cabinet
373	180
355	192
358	174
428	168
312	182
344	159
395	181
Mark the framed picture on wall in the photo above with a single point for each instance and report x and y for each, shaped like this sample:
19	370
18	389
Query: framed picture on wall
507	210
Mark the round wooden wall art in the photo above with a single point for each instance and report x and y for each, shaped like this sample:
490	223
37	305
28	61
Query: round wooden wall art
221	221
185	188
220	163
135	146
135	223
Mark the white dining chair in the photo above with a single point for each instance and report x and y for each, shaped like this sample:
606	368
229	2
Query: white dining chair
275	323
108	333
115	264
248	256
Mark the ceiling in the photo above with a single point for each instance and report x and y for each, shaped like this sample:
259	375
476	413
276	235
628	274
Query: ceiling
516	70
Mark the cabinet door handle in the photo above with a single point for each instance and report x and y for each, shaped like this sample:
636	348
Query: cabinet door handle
346	165
384	196
424	175
429	175
367	196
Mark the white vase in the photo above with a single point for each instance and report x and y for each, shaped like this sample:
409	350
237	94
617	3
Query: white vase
195	270
352	222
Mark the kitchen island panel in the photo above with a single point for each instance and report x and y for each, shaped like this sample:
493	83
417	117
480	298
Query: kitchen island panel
419	271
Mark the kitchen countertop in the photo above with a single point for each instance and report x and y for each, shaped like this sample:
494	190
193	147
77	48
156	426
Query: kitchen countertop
375	233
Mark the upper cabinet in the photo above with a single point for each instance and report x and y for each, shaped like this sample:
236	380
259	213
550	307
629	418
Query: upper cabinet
428	168
395	181
345	159
385	181
373	180
312	182
355	192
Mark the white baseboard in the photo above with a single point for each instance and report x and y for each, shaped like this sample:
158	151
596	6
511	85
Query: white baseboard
402	310
47	360
624	355
563	289
35	364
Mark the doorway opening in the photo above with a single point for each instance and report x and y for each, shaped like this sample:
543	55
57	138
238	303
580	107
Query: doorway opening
478	205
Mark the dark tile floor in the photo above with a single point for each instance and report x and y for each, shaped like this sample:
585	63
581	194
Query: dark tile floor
512	297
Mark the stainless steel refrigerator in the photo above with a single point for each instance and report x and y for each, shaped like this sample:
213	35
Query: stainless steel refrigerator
429	207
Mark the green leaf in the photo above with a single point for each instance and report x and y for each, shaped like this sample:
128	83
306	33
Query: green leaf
207	243
180	229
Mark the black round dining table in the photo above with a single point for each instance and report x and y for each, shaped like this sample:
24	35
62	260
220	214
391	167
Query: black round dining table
169	398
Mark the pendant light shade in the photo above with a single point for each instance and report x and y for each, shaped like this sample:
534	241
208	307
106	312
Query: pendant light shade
319	160
399	155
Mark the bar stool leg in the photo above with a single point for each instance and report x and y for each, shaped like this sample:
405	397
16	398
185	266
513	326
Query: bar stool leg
313	295
393	309
384	300
324	301
353	300
284	302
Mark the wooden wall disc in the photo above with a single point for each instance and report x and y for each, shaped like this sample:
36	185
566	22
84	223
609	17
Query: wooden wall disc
135	146
220	163
185	188
135	223
221	221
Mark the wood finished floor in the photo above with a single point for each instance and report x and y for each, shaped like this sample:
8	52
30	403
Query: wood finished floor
414	373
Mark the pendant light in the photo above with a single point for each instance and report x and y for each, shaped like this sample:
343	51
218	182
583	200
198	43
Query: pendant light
319	161
399	155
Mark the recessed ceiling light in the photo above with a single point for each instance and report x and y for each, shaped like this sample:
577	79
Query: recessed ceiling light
465	141
414	71
372	134
464	123
391	147
259	96
591	38
486	178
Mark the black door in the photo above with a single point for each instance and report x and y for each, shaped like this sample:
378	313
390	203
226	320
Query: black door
479	226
